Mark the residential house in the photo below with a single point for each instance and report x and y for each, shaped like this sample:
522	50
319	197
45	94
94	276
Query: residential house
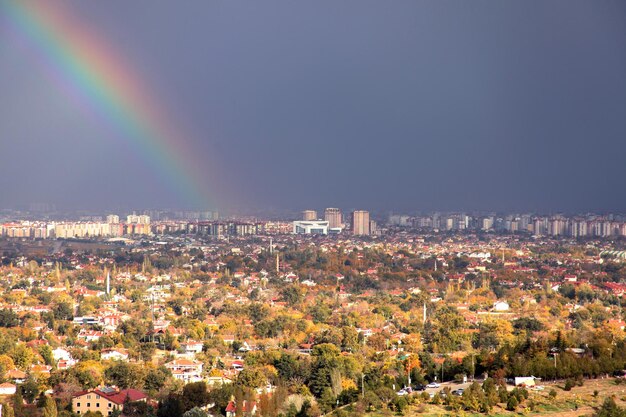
7	389
185	370
17	376
114	354
104	400
501	306
191	346
61	354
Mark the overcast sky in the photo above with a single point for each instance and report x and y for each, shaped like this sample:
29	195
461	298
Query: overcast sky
381	105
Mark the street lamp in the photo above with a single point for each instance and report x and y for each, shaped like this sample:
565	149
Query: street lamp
442	363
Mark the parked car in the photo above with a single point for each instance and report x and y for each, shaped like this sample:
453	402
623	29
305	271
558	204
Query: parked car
419	387
433	385
458	392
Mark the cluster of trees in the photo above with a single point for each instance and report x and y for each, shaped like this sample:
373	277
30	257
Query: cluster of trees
610	409
479	398
45	406
189	403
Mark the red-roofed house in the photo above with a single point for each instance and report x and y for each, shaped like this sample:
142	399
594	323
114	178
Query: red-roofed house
104	400
16	376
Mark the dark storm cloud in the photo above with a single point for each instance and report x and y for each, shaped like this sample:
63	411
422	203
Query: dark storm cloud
380	105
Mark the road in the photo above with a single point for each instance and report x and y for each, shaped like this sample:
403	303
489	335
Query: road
452	385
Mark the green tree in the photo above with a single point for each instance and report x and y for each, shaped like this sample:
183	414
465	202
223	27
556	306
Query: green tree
171	406
552	394
221	396
195	394
49	408
137	409
327	399
63	311
22	356
610	409
512	403
46	353
287	366
30	390
399	404
146	350
473	397
350	339
251	378
491	392
125	375
8	318
325	360
155	379
292	294
18	402
7	411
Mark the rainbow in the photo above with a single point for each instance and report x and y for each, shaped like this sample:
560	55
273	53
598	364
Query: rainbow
101	84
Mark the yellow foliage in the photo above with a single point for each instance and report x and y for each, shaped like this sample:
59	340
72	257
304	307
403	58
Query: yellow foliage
412	342
347	384
6	362
269	370
412	362
96	366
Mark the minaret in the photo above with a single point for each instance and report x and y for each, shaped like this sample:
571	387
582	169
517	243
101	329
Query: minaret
271	246
108	283
277	264
435	264
424	318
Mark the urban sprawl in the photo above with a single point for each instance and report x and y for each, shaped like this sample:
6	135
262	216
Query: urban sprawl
357	222
189	315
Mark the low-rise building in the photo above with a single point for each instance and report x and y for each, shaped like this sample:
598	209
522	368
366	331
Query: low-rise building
7	389
185	370
104	400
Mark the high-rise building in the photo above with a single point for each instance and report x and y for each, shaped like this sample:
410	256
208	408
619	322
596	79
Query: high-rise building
360	222
135	219
308	215
487	223
113	219
333	217
373	227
